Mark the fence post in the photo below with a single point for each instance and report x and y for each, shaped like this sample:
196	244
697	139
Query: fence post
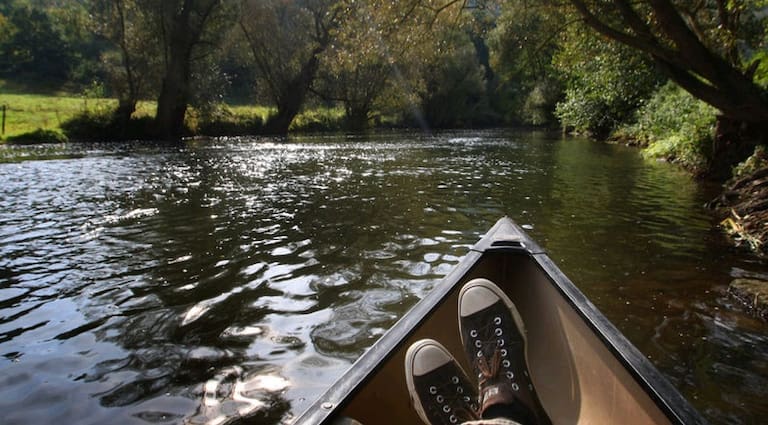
3	132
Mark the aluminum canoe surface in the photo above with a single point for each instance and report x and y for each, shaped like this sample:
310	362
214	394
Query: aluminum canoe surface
584	369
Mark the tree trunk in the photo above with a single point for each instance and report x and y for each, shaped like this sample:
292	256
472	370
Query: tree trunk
733	143
683	57
292	98
187	26
174	95
122	115
357	119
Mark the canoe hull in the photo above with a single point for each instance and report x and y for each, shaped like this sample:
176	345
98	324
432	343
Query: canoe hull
584	370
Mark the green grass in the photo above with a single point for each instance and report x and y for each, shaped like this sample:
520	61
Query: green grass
28	113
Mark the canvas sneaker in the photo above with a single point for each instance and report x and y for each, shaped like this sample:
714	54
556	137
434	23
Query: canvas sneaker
494	338
440	390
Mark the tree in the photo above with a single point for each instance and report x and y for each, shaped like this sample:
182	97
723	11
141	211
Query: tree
183	27
33	47
455	85
360	63
129	26
380	56
286	39
707	47
523	45
606	82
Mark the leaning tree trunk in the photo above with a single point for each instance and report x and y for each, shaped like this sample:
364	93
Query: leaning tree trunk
293	97
683	56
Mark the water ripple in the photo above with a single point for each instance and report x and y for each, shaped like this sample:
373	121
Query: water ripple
236	279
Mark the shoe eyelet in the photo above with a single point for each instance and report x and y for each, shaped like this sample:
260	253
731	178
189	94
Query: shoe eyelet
506	363
510	375
498	332
447	409
478	343
497	320
466	399
515	387
479	354
440	399
473	333
500	342
453	419
433	390
455	379
460	390
503	352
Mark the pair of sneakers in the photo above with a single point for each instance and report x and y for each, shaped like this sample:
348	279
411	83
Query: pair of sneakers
494	339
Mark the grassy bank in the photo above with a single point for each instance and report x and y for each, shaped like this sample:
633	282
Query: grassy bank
40	114
44	117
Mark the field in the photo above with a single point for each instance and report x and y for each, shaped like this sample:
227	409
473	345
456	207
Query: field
28	112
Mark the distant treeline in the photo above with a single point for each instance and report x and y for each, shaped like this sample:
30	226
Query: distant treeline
590	66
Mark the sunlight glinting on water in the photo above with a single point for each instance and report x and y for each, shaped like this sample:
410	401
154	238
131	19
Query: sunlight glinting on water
238	278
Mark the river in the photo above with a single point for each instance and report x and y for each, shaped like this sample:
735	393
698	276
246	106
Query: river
237	278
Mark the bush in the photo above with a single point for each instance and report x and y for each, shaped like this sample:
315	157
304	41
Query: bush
676	126
757	161
605	83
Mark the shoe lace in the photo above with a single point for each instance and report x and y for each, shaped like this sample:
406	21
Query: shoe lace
489	369
455	405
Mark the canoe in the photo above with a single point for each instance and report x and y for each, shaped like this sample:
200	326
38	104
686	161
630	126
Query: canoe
584	370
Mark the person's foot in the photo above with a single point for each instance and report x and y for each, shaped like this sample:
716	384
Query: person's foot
493	336
441	392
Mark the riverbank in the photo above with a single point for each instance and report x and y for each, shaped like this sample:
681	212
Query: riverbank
743	204
32	118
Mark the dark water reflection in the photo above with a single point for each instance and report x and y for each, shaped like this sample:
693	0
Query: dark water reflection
238	279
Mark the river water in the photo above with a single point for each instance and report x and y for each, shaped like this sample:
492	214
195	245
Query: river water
235	279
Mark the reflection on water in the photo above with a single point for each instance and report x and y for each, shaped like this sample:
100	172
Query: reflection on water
238	278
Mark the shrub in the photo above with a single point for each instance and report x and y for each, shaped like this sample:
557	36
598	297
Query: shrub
676	126
758	160
605	83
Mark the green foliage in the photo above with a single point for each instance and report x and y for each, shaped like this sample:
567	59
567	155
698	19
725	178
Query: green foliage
455	94
33	47
676	126
605	82
757	161
522	46
47	41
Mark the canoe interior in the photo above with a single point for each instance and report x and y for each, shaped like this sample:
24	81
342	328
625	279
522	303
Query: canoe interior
584	370
578	379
